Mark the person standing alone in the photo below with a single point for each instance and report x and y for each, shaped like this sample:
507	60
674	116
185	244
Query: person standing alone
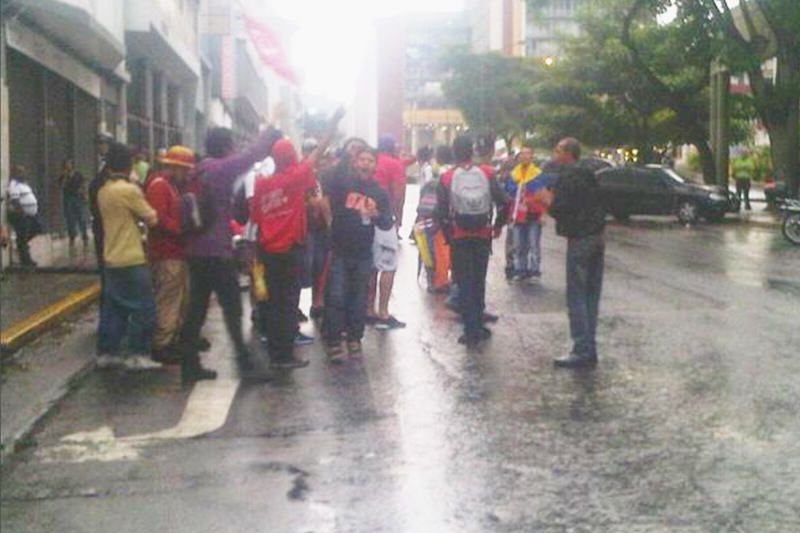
73	188
23	209
580	217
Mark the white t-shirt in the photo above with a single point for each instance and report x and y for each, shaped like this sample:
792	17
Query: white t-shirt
23	194
425	173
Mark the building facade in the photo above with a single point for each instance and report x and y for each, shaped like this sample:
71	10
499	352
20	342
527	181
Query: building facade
498	26
549	26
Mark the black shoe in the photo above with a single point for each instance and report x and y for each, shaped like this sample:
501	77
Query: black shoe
389	323
167	356
489	318
290	363
195	372
576	361
470	341
484	333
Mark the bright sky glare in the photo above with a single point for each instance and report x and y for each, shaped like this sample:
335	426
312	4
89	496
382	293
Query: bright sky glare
333	37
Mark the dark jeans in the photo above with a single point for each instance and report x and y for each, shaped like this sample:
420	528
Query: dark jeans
128	304
470	259
743	191
25	229
220	276
283	274
75	213
346	297
585	260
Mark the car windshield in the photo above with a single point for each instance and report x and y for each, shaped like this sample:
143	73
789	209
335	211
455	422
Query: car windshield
674	175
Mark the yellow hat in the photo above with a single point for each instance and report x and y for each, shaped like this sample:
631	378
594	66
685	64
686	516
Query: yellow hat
182	156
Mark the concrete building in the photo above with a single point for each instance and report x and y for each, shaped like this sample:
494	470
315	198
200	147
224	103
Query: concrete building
498	26
163	57
63	81
411	103
547	28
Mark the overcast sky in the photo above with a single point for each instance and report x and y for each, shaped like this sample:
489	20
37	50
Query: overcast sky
333	36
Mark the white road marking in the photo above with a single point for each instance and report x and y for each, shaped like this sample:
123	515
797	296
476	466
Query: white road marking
206	411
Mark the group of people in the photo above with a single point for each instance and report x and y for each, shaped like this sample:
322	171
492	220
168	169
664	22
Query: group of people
168	243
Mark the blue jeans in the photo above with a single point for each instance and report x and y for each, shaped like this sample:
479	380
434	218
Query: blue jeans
128	305
526	242
585	261
346	297
75	213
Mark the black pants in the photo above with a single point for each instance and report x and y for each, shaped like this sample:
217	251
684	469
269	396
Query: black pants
585	265
25	229
283	273
470	262
743	191
220	276
346	297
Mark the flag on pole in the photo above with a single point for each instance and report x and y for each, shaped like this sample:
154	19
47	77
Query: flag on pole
269	48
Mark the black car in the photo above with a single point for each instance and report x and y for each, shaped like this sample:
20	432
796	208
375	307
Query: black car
659	190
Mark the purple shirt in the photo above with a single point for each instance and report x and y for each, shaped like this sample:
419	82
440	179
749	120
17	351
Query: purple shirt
220	175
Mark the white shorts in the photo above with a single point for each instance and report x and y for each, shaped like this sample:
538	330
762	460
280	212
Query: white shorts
385	246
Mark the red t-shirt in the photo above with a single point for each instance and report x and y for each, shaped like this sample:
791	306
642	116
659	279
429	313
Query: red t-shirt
164	241
390	173
278	207
447	181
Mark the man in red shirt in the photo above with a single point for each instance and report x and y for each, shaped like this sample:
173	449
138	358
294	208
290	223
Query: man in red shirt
278	208
390	174
166	250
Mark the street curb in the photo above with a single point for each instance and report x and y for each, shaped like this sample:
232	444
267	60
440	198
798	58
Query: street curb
11	444
22	332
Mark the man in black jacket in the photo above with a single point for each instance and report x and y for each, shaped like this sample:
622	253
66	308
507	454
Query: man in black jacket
580	217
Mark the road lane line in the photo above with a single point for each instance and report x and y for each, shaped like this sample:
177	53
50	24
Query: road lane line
206	411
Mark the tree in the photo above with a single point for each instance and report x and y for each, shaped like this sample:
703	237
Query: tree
492	91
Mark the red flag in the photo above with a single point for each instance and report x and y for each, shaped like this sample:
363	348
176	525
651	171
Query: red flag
269	49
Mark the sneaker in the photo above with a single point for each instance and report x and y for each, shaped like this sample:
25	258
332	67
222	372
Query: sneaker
107	361
489	318
301	339
576	361
354	348
335	352
470	341
290	363
484	333
389	323
191	373
141	362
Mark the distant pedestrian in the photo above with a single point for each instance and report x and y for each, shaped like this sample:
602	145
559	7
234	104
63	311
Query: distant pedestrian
73	188
278	207
426	172
530	198
580	217
166	247
209	251
743	169
22	213
128	304
390	175
358	205
466	195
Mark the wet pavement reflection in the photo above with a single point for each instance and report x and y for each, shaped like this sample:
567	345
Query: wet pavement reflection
688	424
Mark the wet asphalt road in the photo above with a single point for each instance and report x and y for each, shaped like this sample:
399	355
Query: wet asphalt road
689	423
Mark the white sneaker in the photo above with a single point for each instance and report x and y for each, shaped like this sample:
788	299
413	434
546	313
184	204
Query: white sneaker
105	361
141	362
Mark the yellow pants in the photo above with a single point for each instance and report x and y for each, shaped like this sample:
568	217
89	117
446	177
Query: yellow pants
171	285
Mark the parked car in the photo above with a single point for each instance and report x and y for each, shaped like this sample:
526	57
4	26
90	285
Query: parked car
660	190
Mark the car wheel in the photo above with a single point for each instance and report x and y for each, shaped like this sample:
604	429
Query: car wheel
791	228
687	212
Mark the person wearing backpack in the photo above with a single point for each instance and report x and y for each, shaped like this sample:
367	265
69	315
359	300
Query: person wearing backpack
209	247
580	217
166	249
467	197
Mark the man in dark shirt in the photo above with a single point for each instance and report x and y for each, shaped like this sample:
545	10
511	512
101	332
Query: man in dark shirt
580	217
358	204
